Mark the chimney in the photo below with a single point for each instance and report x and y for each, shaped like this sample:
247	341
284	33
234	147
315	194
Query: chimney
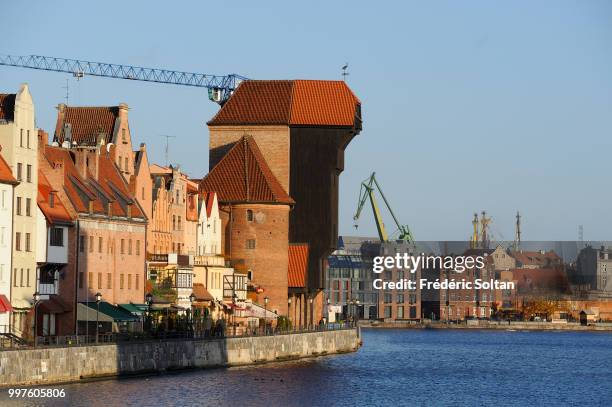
43	139
123	111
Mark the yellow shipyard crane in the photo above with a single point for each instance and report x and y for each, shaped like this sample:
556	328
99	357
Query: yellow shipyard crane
367	191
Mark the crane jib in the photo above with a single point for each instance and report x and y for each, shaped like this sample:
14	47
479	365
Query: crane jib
220	87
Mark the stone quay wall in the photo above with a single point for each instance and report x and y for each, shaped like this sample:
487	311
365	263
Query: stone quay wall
69	364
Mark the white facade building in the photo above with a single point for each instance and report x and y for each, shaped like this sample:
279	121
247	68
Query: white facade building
19	140
7	185
208	234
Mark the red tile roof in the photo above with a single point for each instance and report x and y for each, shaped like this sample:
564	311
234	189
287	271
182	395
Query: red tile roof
210	200
298	265
109	186
86	123
296	102
56	213
7	106
243	175
6	175
531	258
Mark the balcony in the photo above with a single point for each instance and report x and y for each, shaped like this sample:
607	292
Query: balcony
48	279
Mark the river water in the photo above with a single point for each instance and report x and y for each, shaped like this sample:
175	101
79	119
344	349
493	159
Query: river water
394	367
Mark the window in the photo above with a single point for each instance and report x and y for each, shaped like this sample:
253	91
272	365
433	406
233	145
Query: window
122	247
18	209
119	162
27	242
137	281
15	278
388	311
90	280
250	243
173	222
400	312
56	237
142	194
121	281
179	223
21	278
19	172
400	298
18	241
250	215
100	240
388	298
28	139
126	165
99	281
137	247
81	279
123	136
129	281
28	207
20	137
109	279
91	244
81	244
29	173
130	246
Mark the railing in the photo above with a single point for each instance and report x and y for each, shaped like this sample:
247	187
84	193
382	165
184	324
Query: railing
203	334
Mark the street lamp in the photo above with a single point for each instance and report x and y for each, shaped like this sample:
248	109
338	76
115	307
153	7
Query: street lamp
36	301
288	307
98	300
356	312
234	302
192	299
310	309
149	301
266	300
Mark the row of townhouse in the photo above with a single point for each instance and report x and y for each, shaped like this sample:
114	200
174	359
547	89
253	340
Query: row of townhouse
86	215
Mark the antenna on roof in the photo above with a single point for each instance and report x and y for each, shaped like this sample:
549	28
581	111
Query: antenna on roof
166	150
345	72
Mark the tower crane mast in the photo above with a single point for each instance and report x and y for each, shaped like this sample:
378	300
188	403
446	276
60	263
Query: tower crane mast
220	87
368	186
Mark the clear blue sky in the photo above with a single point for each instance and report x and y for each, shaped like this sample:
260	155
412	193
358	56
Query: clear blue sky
467	105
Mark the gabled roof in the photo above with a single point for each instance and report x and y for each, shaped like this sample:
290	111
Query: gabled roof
7	106
109	187
86	123
298	265
56	213
6	175
533	258
243	175
291	102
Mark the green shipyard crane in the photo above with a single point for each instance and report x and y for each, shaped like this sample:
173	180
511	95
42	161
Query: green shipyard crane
367	191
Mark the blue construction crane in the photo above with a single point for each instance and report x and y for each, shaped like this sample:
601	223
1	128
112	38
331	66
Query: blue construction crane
220	87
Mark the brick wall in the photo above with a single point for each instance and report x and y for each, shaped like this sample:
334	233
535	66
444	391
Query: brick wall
269	260
273	141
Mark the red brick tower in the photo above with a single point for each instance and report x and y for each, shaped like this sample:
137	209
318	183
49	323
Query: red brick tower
302	128
254	210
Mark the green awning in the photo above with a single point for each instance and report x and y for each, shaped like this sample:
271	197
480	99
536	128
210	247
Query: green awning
136	309
116	313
